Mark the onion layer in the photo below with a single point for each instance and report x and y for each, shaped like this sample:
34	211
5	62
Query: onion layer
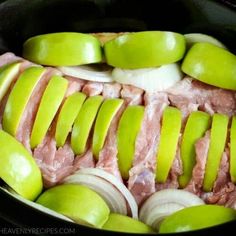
96	73
164	203
107	191
114	181
150	79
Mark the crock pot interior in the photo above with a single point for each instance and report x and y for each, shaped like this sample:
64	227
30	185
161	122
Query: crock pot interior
20	19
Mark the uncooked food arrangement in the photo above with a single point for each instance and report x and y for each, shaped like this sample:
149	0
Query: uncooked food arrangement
129	132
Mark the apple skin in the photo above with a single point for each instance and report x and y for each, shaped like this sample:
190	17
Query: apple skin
144	49
19	98
77	202
63	49
50	103
18	168
233	150
67	116
212	65
83	124
7	74
108	110
170	131
199	122
122	223
218	138
197	217
127	132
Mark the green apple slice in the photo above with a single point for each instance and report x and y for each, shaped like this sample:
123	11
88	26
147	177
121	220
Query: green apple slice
19	98
83	124
193	38
129	126
121	223
170	131
197	124
7	74
63	49
144	49
18	168
105	115
233	150
67	116
50	103
212	65
219	130
197	217
77	202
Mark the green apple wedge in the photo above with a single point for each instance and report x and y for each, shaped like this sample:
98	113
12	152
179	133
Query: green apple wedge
19	98
144	49
197	124
50	103
63	49
218	137
170	131
122	223
67	116
233	150
7	74
83	124
77	202
197	217
128	128
212	65
108	110
18	168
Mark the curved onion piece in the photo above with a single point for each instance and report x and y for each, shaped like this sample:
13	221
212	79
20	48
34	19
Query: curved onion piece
107	191
36	205
114	181
97	73
150	79
164	203
202	38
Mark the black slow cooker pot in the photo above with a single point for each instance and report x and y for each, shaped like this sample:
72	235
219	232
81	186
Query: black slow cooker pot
20	19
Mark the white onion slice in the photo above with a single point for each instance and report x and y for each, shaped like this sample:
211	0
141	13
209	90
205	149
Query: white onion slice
120	186
165	202
96	73
150	79
202	38
36	205
107	191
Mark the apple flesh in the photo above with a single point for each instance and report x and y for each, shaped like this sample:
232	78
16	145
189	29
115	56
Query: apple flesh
218	137
108	110
197	124
67	116
83	124
121	223
7	74
212	65
233	150
19	98
77	202
197	217
144	49
170	131
18	168
63	49
126	135
50	103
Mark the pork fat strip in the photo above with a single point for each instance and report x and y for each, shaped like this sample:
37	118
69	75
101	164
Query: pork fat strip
142	175
56	164
92	88
190	95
